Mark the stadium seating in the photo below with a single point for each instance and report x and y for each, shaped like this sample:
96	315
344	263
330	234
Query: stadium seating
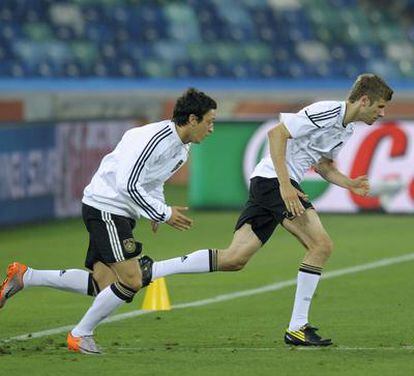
206	38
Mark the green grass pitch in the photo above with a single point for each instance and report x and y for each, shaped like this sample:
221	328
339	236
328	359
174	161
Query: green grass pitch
368	314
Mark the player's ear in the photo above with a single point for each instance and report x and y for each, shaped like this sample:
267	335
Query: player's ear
365	101
192	119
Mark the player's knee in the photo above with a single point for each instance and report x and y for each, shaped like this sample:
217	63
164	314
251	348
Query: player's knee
233	264
102	277
239	265
131	278
327	247
133	282
323	247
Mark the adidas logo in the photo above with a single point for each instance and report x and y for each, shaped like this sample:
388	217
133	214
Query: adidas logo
177	166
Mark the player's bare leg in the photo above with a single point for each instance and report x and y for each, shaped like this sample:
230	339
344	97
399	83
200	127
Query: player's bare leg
106	302
309	230
244	245
103	275
311	233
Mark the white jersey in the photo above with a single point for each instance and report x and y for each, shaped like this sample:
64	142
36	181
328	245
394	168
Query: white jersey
130	179
317	131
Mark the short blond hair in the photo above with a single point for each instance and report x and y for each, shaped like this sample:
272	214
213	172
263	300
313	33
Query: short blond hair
371	85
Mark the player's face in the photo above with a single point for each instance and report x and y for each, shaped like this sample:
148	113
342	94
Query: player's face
204	127
373	111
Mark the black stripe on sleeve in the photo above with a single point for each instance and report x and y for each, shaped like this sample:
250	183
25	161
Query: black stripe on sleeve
306	112
139	165
321	115
327	117
319	119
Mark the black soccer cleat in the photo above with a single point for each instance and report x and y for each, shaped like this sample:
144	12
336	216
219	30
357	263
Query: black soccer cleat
145	263
305	336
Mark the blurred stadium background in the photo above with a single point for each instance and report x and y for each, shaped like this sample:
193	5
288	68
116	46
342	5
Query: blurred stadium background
74	75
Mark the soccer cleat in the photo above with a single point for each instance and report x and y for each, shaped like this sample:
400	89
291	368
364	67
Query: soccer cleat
305	336
84	344
145	262
13	283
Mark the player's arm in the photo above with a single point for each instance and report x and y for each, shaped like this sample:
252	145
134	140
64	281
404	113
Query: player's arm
178	219
155	210
150	206
326	168
158	193
144	203
278	137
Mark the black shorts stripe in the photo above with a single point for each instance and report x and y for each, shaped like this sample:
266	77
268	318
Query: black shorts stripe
136	171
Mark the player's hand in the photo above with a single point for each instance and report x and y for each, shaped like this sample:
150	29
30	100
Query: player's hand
360	185
178	220
290	196
154	226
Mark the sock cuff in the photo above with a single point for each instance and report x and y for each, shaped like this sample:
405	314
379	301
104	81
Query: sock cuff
213	262
306	268
122	291
93	288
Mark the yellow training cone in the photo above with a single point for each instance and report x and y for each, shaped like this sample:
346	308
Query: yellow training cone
156	298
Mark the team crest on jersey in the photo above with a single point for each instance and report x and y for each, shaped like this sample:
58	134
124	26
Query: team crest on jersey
177	166
129	245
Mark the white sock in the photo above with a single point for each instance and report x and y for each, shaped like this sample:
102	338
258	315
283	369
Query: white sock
306	286
75	280
204	260
104	304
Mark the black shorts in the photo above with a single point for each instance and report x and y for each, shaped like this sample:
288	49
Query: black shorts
110	237
265	208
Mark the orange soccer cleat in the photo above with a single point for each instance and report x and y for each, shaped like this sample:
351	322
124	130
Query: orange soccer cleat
83	344
13	282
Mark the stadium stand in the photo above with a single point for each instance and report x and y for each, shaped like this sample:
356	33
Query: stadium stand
206	38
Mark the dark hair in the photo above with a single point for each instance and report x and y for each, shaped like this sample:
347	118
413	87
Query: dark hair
371	85
194	102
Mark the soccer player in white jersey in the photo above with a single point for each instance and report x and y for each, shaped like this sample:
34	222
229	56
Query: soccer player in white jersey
127	185
312	137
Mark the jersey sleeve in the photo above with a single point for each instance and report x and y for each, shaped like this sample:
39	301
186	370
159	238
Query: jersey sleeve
313	117
150	205
158	193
